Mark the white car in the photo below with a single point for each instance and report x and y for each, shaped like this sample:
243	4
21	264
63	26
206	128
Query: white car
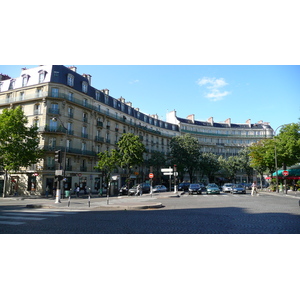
227	187
159	188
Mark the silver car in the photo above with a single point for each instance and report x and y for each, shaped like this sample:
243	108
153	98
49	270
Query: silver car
227	187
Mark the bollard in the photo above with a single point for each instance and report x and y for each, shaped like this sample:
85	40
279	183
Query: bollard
89	201
69	201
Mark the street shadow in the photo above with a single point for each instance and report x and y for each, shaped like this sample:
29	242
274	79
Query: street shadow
223	220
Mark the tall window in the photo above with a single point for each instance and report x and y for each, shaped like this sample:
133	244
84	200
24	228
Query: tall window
84	87
70	96
12	84
25	79
97	95
37	109
54	108
36	123
70	80
54	92
70	112
53	125
70	128
22	96
42	75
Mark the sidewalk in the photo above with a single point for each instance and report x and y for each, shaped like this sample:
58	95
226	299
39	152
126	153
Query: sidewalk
95	202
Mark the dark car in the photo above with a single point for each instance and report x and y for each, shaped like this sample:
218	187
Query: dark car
184	186
145	188
123	190
195	188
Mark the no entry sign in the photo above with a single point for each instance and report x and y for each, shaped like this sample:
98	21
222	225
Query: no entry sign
151	175
285	173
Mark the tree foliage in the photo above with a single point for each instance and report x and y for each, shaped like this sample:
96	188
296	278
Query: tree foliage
288	144
108	161
19	144
185	153
209	165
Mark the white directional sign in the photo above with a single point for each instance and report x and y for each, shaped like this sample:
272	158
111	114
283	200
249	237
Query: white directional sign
167	170
168	173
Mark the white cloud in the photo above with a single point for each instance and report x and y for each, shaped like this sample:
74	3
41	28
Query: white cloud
213	85
134	81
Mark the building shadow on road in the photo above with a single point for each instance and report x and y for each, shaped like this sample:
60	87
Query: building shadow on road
223	220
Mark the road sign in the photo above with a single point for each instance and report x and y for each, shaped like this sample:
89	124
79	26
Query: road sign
167	170
151	175
285	173
168	173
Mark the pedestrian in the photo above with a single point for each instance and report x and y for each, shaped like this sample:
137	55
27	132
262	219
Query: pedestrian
47	191
138	188
77	191
254	188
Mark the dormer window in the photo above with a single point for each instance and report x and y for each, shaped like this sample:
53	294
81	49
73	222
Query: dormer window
84	87
12	84
42	75
25	79
70	80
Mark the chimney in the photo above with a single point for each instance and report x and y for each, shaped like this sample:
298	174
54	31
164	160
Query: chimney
122	99
73	68
105	91
88	77
191	117
228	121
249	122
129	104
4	77
211	121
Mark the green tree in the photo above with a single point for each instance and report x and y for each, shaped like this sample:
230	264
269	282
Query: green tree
108	161
157	161
288	144
185	153
209	165
245	161
230	166
130	152
19	144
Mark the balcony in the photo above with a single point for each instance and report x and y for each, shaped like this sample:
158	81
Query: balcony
99	139
99	124
54	111
83	169
84	135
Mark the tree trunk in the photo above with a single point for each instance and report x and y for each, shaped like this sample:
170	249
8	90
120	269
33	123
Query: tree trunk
5	184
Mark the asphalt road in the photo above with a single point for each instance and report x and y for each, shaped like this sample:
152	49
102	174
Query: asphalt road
202	214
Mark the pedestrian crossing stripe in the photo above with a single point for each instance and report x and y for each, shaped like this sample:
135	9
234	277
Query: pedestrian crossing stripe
11	223
20	216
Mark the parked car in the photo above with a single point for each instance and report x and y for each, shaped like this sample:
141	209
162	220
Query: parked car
195	188
145	189
238	189
159	188
183	186
123	190
212	188
227	187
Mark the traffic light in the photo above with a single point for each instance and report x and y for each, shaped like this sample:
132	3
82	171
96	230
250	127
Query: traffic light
58	156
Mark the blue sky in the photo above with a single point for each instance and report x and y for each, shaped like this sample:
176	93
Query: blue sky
270	93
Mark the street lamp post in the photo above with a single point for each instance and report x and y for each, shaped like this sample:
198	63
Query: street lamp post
60	184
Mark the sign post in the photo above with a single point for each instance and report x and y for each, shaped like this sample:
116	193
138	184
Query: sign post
285	174
151	175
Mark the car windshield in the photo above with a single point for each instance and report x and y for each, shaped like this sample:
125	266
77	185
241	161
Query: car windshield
212	185
238	186
194	186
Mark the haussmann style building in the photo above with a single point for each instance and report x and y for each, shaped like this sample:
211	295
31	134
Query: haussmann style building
81	121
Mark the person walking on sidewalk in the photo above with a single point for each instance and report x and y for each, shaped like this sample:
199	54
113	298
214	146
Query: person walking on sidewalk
254	189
